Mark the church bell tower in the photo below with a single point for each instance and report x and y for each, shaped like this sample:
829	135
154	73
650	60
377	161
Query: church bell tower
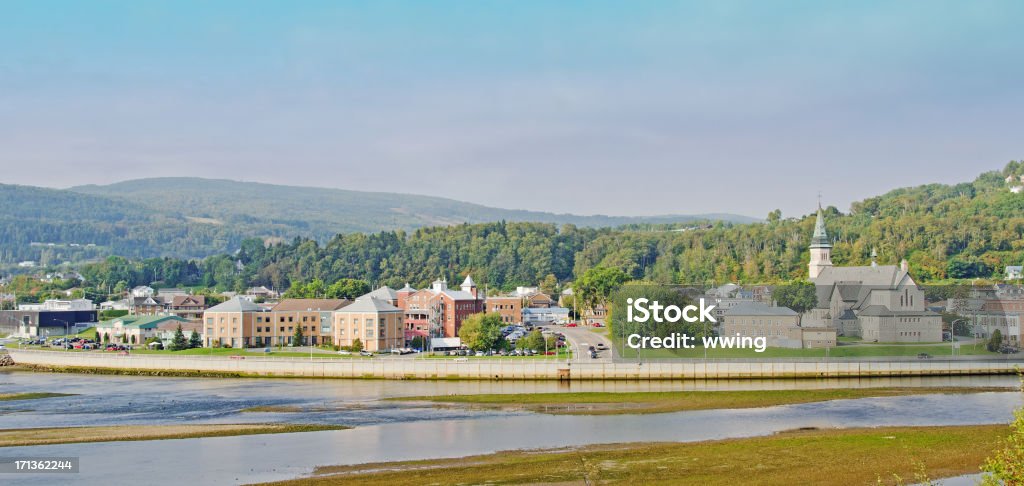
821	248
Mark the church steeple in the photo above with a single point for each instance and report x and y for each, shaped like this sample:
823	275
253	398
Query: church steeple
821	247
820	238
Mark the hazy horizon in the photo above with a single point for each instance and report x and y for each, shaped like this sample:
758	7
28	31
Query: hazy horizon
583	108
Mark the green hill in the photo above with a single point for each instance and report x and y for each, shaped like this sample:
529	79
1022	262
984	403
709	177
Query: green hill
946	232
194	217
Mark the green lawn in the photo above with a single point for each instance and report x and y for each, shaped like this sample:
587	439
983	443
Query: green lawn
848	351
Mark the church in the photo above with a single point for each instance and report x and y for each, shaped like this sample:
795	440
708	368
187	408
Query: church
877	303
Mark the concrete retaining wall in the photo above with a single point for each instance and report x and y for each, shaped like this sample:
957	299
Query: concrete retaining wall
511	370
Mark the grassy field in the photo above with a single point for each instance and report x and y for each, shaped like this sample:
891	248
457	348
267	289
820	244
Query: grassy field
843	351
69	435
8	397
833	456
610	403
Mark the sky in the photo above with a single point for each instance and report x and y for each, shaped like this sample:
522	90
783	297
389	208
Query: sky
620	108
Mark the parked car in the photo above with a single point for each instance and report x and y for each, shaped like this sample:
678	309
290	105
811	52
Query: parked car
344	353
571	324
1009	350
365	353
601	346
924	356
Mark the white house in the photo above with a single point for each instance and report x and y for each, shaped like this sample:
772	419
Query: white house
1013	272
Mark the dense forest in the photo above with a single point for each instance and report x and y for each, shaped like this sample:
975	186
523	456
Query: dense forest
963	231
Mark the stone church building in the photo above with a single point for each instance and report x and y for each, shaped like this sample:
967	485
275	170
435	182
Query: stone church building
877	303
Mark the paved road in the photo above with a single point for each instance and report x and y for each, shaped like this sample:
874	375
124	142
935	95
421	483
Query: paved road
580	338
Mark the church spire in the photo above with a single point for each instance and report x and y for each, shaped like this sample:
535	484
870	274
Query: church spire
820	238
821	247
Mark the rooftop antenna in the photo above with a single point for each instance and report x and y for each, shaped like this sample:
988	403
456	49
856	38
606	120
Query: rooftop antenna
819	199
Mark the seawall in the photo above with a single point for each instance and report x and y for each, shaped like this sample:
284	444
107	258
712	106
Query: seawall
447	369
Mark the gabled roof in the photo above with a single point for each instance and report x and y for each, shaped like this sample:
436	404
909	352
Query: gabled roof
369	304
383	293
310	304
759	309
137	301
235	304
189	300
468	282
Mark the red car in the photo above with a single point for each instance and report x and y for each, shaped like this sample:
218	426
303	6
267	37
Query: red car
571	324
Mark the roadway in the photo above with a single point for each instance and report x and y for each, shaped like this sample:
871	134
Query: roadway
581	338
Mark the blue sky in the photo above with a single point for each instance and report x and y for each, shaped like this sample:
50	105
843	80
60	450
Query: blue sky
584	107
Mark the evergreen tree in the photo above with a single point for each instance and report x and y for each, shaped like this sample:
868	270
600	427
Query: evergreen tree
357	345
179	343
298	337
995	341
194	341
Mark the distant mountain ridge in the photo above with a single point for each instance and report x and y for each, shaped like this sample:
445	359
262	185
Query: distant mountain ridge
190	217
346	210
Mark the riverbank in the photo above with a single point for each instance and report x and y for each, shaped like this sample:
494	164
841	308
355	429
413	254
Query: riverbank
120	433
10	397
831	456
456	369
610	403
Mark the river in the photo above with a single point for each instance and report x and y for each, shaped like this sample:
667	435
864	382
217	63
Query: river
389	431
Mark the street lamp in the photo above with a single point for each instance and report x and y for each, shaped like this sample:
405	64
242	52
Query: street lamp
66	329
952	335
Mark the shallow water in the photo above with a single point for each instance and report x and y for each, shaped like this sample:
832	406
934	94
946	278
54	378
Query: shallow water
388	431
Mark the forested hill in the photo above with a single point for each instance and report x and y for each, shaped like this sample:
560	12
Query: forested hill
969	230
193	217
321	212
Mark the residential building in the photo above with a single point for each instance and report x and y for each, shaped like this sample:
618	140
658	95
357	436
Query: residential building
539	300
143	291
878	303
1004	315
114	305
439	311
509	307
188	306
233	323
169	294
402	295
262	292
135	329
148	306
779	325
1013	272
376	323
314	316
